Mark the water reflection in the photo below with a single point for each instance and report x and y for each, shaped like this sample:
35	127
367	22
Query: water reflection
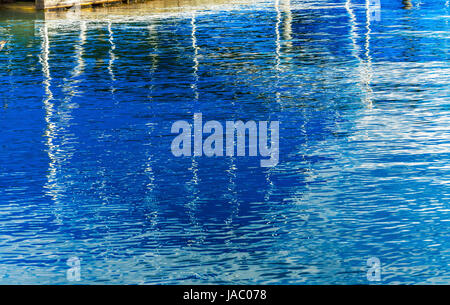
364	143
112	57
368	67
365	64
48	105
58	116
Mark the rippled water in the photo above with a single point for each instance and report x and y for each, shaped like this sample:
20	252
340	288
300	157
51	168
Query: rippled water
87	102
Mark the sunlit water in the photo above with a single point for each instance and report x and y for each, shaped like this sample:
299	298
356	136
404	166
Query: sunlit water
86	106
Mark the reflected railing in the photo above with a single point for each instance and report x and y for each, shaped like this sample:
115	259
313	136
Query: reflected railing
365	64
8	36
112	57
49	109
58	118
193	185
135	10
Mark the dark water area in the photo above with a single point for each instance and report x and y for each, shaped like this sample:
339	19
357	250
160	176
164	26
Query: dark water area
87	101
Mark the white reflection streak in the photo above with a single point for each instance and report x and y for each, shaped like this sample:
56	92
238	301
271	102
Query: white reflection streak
194	87
232	191
150	199
353	29
193	186
49	108
277	51
45	49
10	63
77	71
195	48
58	119
368	66
154	56
277	33
447	4
79	49
287	31
154	66
365	67
288	36
112	56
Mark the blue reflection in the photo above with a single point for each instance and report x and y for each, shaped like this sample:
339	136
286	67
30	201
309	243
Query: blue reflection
87	103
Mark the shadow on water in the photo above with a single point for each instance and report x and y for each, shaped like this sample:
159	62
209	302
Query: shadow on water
407	4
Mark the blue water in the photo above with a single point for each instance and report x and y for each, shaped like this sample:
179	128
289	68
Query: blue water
87	102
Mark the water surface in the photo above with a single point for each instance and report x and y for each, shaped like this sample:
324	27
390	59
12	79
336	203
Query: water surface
87	100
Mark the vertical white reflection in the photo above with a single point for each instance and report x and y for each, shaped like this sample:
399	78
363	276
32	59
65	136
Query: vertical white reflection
287	34
287	24
277	37
194	86
70	85
59	140
195	60
232	190
153	68
277	52
193	185
368	71
43	59
364	66
8	50
353	31
112	56
79	50
154	55
447	4
50	130
151	201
